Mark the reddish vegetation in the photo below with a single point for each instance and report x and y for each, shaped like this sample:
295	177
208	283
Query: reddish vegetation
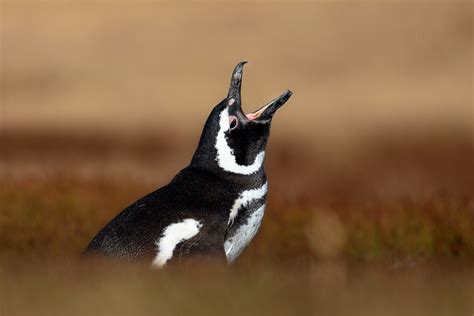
389	200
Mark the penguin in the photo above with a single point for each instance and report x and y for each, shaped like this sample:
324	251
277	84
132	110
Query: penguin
214	206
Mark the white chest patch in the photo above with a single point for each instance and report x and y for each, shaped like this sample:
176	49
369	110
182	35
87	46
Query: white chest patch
225	156
245	198
173	235
235	244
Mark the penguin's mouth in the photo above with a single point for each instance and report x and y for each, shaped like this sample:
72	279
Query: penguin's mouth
264	113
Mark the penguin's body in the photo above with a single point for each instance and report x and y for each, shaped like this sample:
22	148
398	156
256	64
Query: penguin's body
212	207
192	195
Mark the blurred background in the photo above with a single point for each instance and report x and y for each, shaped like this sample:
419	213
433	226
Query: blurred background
370	163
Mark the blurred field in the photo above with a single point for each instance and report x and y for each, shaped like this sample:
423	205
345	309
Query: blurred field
370	164
60	289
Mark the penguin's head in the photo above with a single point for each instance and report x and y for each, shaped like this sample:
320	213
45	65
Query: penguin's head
233	140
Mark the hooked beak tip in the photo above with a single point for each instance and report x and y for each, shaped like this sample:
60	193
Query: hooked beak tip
237	74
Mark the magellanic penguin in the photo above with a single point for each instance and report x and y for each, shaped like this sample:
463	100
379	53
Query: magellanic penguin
212	207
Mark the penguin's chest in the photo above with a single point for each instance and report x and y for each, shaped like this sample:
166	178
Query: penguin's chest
245	218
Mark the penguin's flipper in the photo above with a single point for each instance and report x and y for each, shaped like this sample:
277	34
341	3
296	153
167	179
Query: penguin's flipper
207	244
193	250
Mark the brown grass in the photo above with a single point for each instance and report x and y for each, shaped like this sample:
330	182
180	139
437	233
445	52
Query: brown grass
391	200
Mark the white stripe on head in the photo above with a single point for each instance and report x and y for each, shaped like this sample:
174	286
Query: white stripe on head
225	156
173	235
245	198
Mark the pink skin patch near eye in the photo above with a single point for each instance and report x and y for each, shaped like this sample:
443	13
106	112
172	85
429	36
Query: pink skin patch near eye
231	101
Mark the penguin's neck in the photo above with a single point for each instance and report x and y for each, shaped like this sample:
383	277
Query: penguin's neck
206	160
214	152
218	158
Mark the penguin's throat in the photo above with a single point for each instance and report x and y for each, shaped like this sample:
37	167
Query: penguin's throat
225	155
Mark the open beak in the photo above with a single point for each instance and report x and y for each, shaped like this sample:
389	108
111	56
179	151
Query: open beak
234	97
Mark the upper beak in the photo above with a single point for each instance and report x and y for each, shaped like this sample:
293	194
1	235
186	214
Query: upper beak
234	96
236	83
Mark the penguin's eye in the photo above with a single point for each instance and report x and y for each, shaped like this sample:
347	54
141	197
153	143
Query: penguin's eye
233	122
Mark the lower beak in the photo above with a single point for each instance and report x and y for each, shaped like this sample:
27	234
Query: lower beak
267	111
